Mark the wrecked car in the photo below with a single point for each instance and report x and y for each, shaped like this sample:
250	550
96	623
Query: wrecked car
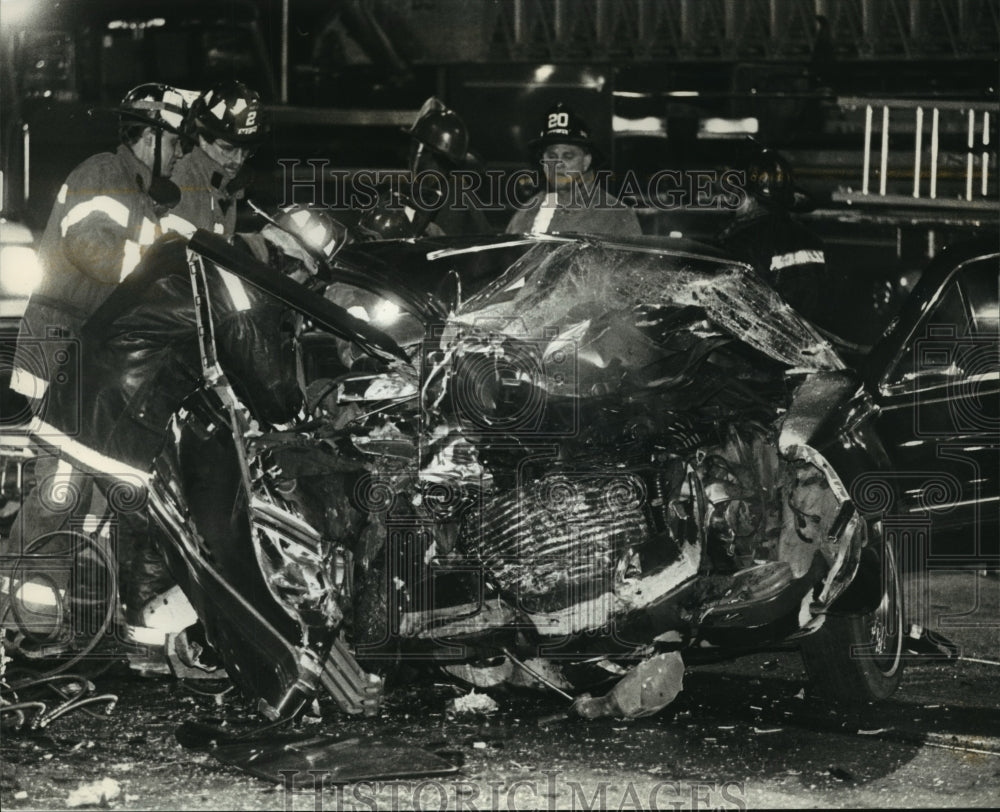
610	452
613	451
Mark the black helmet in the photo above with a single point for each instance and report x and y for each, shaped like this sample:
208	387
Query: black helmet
230	111
562	126
154	105
442	130
393	217
769	179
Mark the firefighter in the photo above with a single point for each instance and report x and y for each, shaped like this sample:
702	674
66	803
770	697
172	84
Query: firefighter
764	233
105	216
299	241
227	125
573	200
140	358
441	172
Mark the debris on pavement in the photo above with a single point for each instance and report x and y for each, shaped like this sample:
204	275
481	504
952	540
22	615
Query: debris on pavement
272	756
980	661
541	672
473	702
97	793
313	715
644	690
549	719
30	703
931	644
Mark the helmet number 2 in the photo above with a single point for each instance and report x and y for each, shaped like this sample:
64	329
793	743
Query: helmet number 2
560	119
251	118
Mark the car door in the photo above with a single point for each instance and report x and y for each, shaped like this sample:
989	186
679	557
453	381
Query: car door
940	413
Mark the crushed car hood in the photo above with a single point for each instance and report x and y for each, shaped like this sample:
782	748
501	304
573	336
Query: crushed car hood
562	284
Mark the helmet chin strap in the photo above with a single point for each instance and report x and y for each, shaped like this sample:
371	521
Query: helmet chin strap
163	191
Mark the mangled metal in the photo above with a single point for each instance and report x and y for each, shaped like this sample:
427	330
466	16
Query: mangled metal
592	449
591	444
565	284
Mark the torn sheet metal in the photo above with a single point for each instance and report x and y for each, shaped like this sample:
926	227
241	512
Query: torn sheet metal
303	756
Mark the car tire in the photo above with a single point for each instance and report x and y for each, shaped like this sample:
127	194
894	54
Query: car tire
858	658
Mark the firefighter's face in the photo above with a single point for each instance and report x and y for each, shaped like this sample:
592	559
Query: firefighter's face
565	163
229	156
170	151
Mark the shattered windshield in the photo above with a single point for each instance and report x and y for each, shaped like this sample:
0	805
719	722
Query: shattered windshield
556	285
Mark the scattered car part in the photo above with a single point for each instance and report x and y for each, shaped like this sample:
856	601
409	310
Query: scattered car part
75	692
338	760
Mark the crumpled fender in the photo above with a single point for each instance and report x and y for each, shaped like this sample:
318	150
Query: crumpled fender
815	404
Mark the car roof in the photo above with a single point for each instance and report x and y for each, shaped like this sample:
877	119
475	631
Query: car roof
933	278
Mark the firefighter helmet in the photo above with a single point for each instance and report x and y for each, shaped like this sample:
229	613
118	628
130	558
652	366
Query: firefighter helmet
316	229
769	179
393	217
230	111
442	130
154	105
562	126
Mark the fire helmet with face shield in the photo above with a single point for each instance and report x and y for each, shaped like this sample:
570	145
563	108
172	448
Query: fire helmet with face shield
315	229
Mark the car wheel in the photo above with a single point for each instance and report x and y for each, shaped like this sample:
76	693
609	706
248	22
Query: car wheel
858	658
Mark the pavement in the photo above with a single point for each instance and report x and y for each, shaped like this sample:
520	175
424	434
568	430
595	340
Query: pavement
749	733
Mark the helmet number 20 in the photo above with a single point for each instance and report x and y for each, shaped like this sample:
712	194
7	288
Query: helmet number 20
560	119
